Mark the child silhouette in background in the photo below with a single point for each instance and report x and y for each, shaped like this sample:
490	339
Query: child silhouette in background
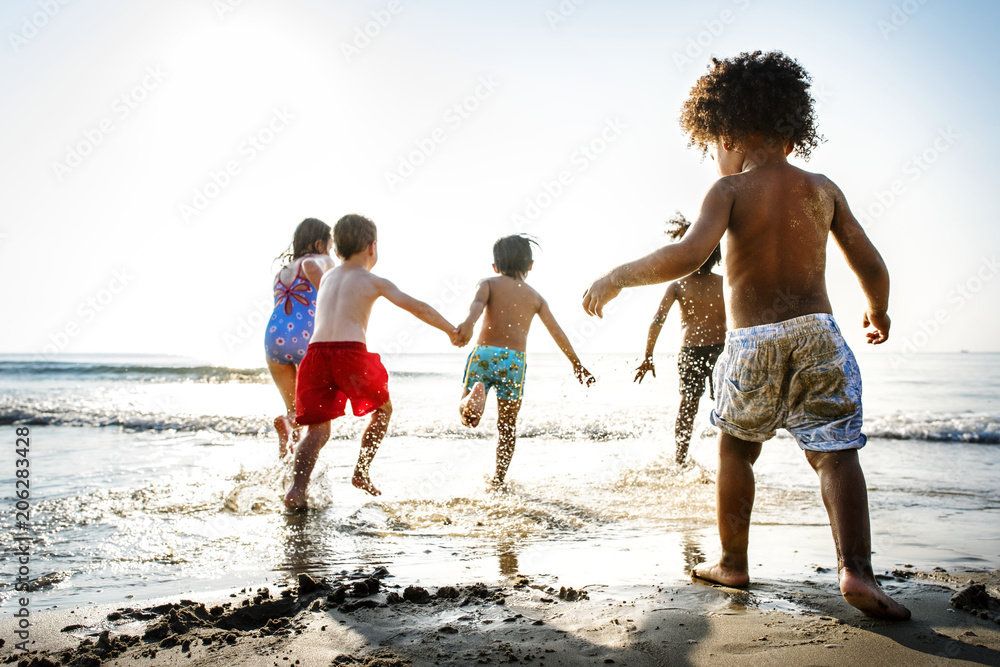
794	371
338	366
508	305
703	335
291	323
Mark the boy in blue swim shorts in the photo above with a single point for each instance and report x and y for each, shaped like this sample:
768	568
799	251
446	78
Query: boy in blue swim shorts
785	363
508	305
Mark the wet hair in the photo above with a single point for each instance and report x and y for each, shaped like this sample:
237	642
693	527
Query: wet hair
352	234
677	227
752	94
512	255
309	232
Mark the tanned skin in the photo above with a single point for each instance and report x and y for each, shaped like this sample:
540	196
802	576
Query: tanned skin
703	322
313	266
776	218
508	305
343	307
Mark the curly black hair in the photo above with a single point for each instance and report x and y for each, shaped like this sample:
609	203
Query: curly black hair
752	94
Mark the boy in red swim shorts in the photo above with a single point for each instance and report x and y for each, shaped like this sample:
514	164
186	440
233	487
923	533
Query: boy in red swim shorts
338	366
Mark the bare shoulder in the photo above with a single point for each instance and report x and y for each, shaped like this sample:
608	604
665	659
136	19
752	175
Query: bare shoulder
529	295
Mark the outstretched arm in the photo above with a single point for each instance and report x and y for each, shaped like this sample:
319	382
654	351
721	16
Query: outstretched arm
562	340
417	308
671	261
654	332
866	263
475	312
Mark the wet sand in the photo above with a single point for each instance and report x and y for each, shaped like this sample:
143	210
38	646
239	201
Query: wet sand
370	618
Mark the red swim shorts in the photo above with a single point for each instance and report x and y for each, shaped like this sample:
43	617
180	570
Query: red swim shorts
333	372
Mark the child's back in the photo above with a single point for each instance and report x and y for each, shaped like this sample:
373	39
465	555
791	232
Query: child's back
345	299
703	317
786	363
511	305
338	366
508	305
776	243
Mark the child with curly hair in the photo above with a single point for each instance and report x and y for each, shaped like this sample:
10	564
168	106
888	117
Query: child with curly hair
703	331
792	370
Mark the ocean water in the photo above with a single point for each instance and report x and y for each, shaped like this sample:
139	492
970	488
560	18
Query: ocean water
152	476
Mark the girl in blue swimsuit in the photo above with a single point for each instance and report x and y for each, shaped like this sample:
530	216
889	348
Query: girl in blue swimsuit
291	323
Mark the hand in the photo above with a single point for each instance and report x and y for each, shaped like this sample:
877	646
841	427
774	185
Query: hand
456	337
583	375
644	367
881	323
465	330
599	293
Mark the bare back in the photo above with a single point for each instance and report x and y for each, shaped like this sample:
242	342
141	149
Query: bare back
511	306
775	250
703	312
344	304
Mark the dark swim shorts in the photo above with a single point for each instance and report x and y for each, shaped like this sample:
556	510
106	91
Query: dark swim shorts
695	365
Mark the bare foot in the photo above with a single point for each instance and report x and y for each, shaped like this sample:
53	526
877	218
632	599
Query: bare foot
286	429
364	482
295	500
473	405
869	597
717	574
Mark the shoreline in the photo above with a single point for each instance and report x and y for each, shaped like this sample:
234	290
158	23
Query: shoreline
370	618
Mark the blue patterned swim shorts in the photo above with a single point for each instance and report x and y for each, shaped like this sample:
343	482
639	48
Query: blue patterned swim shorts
799	375
496	367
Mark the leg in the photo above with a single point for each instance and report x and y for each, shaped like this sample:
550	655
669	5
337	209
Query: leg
684	425
845	495
305	460
473	404
506	433
734	490
369	446
284	378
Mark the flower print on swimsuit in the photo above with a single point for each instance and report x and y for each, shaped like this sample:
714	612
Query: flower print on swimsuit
284	294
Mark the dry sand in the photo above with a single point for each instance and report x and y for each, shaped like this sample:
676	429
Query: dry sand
371	619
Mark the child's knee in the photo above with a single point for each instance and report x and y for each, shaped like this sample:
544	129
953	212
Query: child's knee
385	410
831	460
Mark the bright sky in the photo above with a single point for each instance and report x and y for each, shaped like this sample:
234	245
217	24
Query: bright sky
157	156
